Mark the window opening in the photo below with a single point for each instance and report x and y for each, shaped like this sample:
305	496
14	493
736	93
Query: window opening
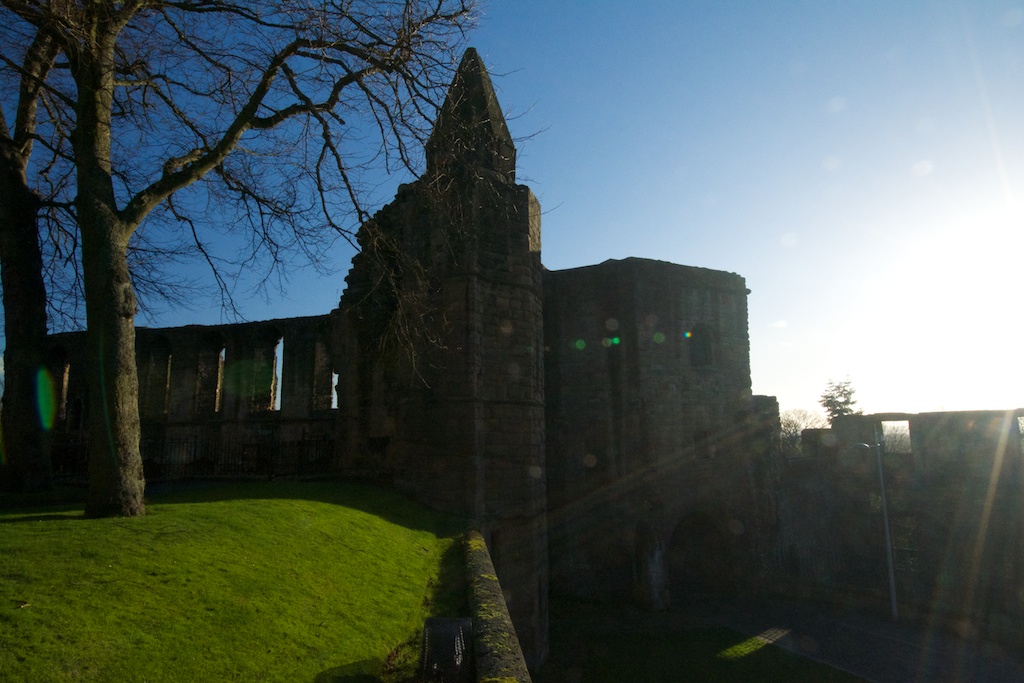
63	372
896	436
218	402
278	372
165	399
62	401
334	391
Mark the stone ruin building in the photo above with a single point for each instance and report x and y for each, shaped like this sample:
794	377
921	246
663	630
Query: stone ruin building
953	484
596	424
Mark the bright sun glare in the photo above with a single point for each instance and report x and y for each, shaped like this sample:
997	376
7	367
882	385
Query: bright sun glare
946	316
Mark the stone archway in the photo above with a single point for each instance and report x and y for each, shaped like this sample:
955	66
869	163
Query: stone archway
651	589
703	559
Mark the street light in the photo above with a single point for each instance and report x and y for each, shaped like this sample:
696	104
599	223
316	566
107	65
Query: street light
877	448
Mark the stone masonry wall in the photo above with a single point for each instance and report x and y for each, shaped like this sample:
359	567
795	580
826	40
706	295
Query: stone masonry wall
649	414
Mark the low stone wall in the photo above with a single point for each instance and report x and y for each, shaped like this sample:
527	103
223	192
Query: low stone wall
499	657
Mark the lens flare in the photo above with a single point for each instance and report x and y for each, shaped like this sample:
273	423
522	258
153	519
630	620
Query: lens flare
687	334
659	338
580	344
46	401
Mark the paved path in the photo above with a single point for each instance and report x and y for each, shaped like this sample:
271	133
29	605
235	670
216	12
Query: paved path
875	649
871	648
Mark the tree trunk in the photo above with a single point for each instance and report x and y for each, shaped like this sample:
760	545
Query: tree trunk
116	482
24	459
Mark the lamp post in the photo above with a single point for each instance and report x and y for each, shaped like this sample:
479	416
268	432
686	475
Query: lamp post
877	448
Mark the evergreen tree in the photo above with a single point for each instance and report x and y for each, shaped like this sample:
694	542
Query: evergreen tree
838	399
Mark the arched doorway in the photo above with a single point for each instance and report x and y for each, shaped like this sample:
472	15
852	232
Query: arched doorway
703	560
649	569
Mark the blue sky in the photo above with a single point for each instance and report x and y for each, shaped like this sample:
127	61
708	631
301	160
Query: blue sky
861	164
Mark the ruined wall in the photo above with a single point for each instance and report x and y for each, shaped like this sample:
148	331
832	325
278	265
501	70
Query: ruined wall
618	394
954	493
650	425
478	384
208	398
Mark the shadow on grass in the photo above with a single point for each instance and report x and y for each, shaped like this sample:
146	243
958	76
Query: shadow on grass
447	598
44	517
366	671
374	499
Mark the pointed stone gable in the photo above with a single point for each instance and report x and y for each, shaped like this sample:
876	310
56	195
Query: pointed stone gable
470	131
439	346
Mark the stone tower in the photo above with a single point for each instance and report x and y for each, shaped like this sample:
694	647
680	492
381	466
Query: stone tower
439	345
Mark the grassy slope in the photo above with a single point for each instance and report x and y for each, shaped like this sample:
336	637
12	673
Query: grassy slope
219	583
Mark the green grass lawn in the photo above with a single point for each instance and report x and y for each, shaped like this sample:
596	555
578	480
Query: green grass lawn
266	581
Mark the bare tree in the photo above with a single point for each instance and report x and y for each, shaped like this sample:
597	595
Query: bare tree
793	423
40	249
896	436
258	100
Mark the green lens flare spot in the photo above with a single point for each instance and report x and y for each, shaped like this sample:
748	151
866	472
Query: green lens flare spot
46	401
580	344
